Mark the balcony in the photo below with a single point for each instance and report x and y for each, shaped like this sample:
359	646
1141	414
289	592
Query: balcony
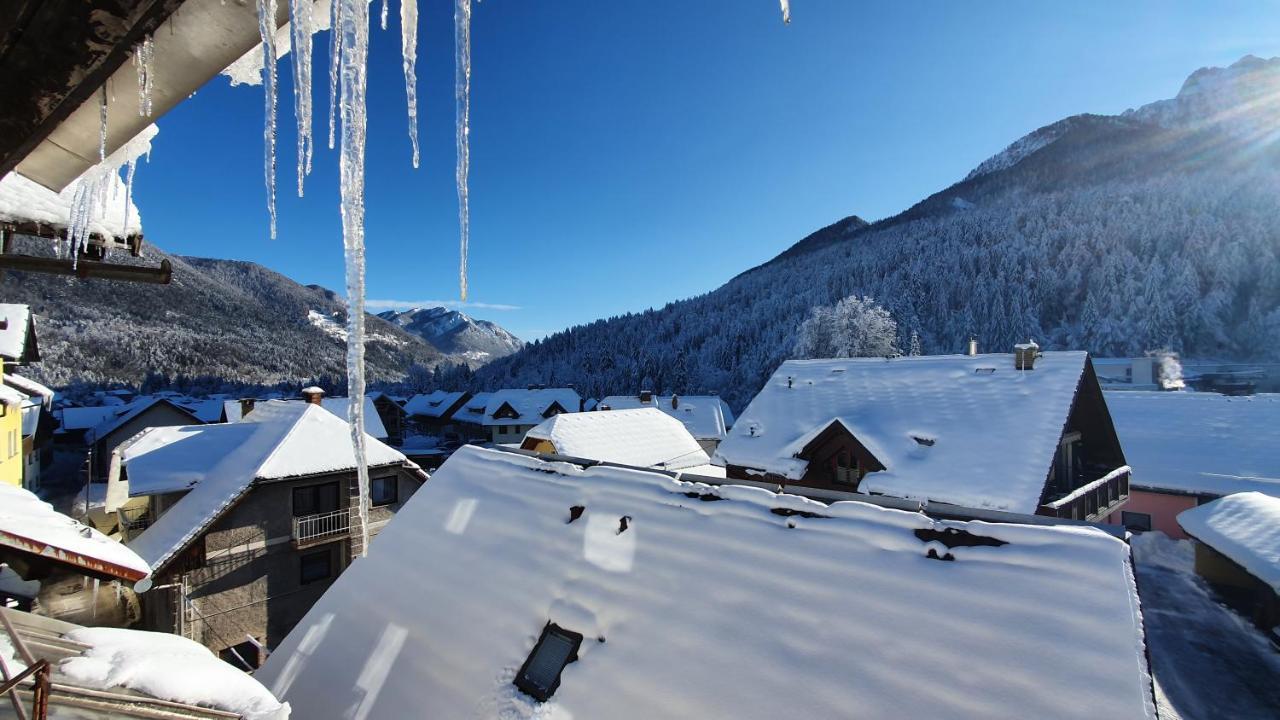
1092	501
321	527
133	520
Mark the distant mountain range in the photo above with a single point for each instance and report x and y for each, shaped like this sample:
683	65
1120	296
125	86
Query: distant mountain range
219	319
455	334
1156	228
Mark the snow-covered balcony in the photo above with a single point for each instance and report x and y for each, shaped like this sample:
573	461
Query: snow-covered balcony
321	527
1094	500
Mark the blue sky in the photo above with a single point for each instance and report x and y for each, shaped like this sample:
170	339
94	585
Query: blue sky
628	153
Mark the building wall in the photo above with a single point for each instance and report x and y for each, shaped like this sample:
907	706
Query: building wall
1162	507
10	443
161	415
508	434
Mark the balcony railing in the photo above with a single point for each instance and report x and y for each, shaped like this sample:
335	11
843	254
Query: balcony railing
321	527
1092	501
133	521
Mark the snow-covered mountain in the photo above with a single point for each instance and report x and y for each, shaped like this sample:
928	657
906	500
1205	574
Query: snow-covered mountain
1155	228
460	337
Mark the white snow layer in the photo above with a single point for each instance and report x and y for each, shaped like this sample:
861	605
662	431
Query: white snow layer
530	405
1202	443
168	667
277	440
17	318
995	429
433	404
707	416
27	519
248	69
645	437
711	609
1244	527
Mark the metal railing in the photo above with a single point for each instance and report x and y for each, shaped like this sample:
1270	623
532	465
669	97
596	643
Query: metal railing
321	526
133	521
1093	500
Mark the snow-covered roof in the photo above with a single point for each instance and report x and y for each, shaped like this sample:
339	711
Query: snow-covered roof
11	398
209	410
30	525
13	336
473	410
337	405
1202	443
712	609
30	388
1244	527
994	429
131	411
706	416
139	668
278	440
530	405
433	404
644	437
83	418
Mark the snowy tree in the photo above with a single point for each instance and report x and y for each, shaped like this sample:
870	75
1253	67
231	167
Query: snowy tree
853	327
914	348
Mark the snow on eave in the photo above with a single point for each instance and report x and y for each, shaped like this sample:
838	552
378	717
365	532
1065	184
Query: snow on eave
1244	528
31	388
30	525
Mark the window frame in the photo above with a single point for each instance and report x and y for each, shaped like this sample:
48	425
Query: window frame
327	554
395	491
314	489
533	689
1132	527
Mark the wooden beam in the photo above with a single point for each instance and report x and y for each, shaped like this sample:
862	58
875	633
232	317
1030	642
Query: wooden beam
85	269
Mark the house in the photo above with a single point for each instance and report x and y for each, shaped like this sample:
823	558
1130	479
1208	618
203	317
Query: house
1026	433
392	416
1188	448
469	419
1238	553
127	421
510	414
518	587
17	347
37	427
97	672
707	417
433	413
236	410
245	524
643	437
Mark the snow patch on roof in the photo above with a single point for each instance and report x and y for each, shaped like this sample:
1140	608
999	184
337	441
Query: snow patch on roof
815	616
1244	527
433	404
644	437
530	405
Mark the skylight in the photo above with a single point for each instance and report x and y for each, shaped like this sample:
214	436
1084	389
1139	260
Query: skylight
540	675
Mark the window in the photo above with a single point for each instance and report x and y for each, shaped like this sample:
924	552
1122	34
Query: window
383	491
244	656
1135	521
845	467
313	499
540	675
316	566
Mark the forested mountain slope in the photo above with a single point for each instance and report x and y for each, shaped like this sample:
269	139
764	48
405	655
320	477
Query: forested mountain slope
459	336
1157	228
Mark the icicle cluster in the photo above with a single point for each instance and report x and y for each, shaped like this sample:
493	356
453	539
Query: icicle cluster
462	97
131	168
88	202
267	31
143	55
786	12
301	23
354	29
409	57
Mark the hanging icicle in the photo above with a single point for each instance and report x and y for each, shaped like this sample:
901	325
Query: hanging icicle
102	126
143	54
384	14
786	12
409	56
301	22
354	29
267	31
335	60
130	168
462	97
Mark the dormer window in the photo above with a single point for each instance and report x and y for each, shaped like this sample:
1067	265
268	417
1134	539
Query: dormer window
540	675
845	468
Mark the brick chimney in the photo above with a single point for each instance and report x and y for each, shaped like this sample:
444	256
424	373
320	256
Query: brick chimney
646	396
1025	354
675	402
313	394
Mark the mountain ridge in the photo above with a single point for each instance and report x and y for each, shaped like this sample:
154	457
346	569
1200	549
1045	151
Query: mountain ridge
456	334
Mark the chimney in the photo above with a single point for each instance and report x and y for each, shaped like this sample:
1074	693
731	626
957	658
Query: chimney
313	394
603	407
1025	354
675	401
246	406
646	396
973	347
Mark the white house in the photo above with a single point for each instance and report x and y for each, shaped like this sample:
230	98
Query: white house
509	414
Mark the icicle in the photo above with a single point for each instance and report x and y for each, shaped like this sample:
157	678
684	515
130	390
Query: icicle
301	23
384	14
462	97
409	54
131	167
354	29
786	12
96	583
102	126
143	54
335	60
267	31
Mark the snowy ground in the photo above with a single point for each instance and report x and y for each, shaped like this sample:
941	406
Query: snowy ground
1209	662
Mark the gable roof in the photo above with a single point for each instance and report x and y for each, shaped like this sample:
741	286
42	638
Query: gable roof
436	404
129	412
994	429
643	437
18	334
220	462
30	526
530	406
85	418
1244	527
706	416
841	615
338	406
1200	443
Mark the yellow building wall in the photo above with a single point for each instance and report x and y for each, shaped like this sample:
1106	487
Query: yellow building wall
10	443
